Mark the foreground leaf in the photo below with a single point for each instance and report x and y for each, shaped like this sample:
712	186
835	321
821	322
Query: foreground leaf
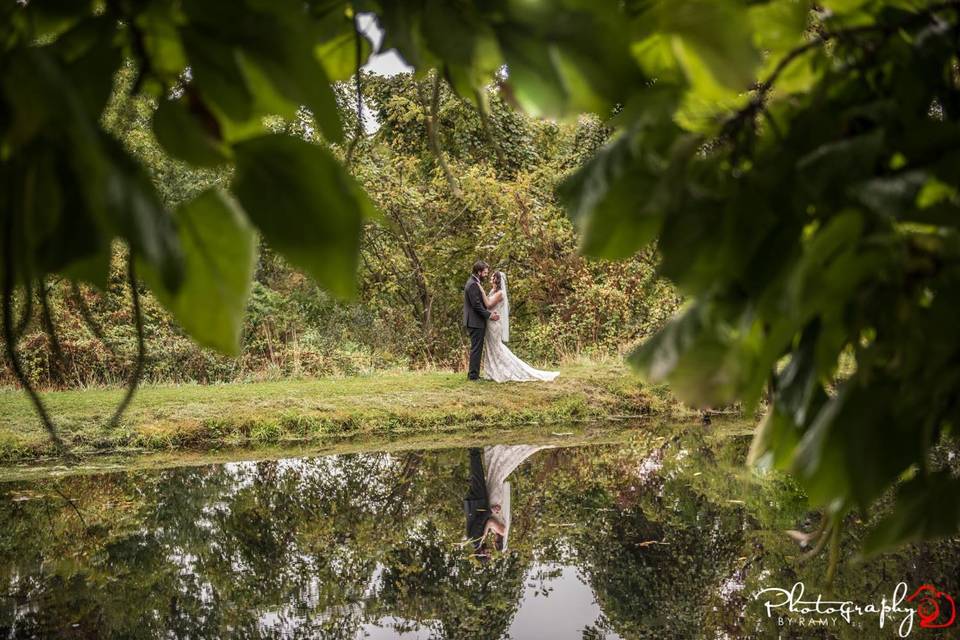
305	204
926	508
185	138
219	247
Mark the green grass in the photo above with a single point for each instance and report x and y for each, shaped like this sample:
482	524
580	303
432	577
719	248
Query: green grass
201	417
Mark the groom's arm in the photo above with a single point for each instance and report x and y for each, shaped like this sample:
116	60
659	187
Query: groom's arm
473	293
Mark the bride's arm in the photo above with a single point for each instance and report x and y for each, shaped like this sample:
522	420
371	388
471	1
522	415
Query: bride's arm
495	526
492	300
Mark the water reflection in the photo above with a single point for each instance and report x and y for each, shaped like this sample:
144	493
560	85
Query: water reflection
635	540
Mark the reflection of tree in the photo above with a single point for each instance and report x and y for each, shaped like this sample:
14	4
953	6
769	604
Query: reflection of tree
317	548
432	578
209	551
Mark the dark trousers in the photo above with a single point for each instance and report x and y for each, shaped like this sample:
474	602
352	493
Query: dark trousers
478	484
476	350
476	504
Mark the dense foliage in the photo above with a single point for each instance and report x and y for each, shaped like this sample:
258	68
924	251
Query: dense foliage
407	311
796	163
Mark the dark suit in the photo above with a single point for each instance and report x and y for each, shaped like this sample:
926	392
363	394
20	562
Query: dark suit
475	317
476	504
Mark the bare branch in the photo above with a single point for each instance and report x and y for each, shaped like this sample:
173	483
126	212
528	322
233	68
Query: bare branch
141	346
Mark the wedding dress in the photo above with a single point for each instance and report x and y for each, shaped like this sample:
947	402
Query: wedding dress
499	363
499	461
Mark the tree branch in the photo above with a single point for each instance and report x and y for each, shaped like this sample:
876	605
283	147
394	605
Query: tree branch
141	346
433	139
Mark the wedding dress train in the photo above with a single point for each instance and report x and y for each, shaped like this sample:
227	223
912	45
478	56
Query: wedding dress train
500	364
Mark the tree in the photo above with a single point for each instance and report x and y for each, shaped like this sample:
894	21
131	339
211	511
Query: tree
796	164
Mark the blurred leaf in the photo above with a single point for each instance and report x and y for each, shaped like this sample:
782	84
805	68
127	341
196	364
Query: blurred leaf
626	176
708	359
656	57
846	454
338	54
217	73
49	18
161	40
184	137
134	212
891	196
727	52
307	207
287	60
926	508
452	31
779	24
91	57
219	248
534	81
836	164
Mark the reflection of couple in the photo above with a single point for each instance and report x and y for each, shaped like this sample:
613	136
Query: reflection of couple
487	318
487	503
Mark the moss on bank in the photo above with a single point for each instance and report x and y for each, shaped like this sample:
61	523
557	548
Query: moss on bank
208	417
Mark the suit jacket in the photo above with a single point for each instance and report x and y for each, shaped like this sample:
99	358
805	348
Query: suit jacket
475	313
476	504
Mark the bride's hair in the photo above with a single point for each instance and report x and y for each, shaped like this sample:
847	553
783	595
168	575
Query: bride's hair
498	280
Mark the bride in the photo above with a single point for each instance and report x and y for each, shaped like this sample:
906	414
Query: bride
499	363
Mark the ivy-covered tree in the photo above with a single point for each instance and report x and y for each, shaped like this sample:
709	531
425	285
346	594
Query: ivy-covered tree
795	162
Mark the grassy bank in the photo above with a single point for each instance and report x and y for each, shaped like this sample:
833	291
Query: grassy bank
207	417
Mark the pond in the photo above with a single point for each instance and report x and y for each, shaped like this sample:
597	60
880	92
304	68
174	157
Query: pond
661	534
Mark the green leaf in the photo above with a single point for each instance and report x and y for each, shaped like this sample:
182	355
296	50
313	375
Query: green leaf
49	18
716	33
892	196
836	164
708	358
62	231
338	54
91	58
451	31
656	57
843	6
400	22
618	198
219	248
289	62
161	40
134	212
534	81
778	25
218	75
277	39
926	508
183	136
307	207
846	455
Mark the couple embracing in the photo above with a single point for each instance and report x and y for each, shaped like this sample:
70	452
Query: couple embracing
487	318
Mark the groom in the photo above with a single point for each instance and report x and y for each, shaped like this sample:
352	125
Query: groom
475	316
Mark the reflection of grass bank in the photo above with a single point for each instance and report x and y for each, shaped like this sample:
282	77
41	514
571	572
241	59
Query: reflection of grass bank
205	417
631	433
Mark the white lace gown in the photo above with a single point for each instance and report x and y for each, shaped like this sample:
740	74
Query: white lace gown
499	363
499	461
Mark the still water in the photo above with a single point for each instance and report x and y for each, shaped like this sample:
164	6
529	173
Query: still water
655	536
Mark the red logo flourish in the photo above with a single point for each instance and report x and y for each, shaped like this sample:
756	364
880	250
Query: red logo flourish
929	610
